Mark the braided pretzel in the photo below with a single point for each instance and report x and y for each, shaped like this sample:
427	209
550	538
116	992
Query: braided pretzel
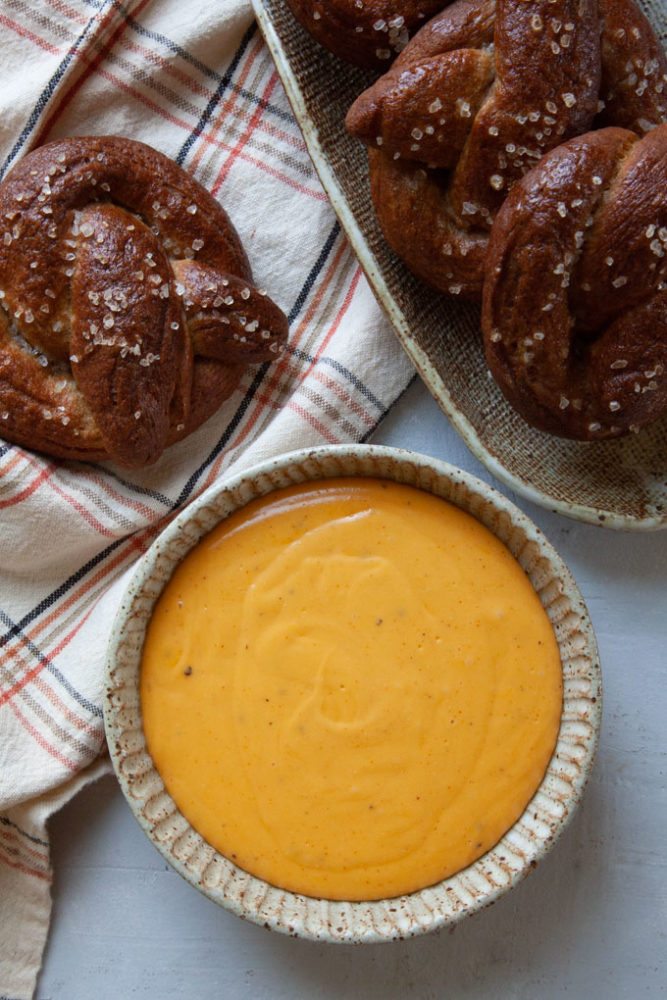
473	102
127	312
367	33
575	294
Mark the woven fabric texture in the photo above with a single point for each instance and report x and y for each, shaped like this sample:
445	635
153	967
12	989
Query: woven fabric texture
197	82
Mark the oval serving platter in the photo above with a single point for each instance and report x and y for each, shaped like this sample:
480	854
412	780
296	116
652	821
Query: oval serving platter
618	484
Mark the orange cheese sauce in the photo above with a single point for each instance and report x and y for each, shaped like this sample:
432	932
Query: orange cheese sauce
351	689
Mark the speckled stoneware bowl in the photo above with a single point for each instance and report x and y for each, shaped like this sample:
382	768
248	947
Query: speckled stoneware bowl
617	484
471	889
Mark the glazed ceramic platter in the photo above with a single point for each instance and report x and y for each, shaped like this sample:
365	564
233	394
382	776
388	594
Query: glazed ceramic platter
618	484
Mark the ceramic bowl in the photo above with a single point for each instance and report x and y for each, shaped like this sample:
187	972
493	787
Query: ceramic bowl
446	902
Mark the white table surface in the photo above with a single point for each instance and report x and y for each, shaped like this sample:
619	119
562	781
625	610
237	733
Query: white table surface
589	924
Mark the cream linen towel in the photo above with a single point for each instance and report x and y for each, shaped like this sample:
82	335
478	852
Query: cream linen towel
196	81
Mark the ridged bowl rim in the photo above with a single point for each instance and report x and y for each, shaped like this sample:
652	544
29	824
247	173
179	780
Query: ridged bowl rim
483	882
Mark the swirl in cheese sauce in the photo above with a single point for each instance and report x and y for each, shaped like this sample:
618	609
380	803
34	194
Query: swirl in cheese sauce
351	689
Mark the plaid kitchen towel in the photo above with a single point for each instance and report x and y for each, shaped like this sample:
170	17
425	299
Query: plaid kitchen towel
196	81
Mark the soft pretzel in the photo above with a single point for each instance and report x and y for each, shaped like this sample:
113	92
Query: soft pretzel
473	102
367	33
575	296
127	310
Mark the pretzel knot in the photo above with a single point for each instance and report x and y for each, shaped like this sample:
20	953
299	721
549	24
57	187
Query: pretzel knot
460	117
127	312
575	296
368	33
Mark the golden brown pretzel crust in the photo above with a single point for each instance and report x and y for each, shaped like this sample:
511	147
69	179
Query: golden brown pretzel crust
476	98
634	86
367	33
575	296
127	310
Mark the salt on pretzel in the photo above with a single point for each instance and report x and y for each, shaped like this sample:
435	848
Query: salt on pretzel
575	294
127	309
473	102
367	33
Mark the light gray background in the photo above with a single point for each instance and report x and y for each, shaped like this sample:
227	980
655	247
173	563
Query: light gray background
589	924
